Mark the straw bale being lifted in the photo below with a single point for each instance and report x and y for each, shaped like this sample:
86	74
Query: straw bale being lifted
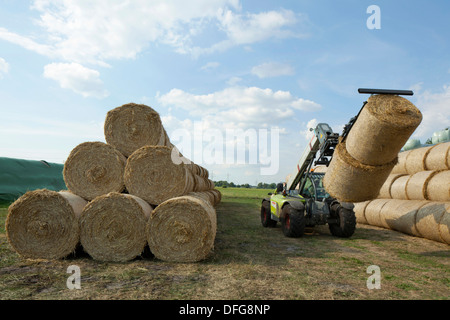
182	229
93	169
438	186
151	175
400	215
384	125
112	227
132	126
428	219
43	224
439	157
351	181
385	191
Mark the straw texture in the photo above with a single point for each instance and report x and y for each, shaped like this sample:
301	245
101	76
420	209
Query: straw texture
428	220
182	229
151	175
439	157
132	126
438	186
43	224
400	215
385	191
113	227
384	125
351	181
93	169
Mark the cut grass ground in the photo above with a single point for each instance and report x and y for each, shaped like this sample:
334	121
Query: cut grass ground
248	262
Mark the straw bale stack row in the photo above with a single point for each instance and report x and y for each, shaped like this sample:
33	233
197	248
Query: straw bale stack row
415	198
363	160
123	195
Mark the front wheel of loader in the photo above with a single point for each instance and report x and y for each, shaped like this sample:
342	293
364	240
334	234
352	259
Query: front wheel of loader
293	222
345	225
266	219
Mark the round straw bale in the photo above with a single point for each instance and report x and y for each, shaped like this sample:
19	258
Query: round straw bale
439	157
132	126
444	224
384	125
204	196
372	212
400	167
400	215
217	196
202	184
385	191
359	209
398	188
93	169
351	181
438	187
415	162
416	187
43	224
151	175
112	227
182	229
428	218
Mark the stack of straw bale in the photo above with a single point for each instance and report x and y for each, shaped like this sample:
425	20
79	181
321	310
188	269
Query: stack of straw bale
117	194
415	198
363	160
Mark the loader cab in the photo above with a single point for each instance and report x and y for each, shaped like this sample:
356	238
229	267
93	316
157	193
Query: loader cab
313	187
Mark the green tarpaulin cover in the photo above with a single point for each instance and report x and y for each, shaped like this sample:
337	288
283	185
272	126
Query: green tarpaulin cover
18	176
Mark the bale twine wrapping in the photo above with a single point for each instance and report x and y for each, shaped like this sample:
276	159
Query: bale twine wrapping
400	215
151	175
416	187
428	220
385	191
112	227
384	125
132	126
372	212
398	188
182	229
43	224
93	169
415	162
359	209
438	187
444	225
439	157
400	167
351	181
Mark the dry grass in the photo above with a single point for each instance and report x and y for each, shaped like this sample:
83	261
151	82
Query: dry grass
249	262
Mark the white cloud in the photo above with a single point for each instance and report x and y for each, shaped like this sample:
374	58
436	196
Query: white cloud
272	69
102	30
77	78
210	65
4	67
238	107
435	108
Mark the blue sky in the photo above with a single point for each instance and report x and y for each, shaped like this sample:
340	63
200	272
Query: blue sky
226	64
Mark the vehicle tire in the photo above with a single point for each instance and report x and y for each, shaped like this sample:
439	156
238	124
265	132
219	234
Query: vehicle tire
293	222
346	225
266	219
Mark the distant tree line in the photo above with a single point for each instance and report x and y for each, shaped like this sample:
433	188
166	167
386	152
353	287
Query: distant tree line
261	185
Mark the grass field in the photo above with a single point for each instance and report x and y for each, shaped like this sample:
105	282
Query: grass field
248	262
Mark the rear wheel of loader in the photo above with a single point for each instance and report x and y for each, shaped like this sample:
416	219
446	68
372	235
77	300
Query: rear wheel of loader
266	219
346	224
293	222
